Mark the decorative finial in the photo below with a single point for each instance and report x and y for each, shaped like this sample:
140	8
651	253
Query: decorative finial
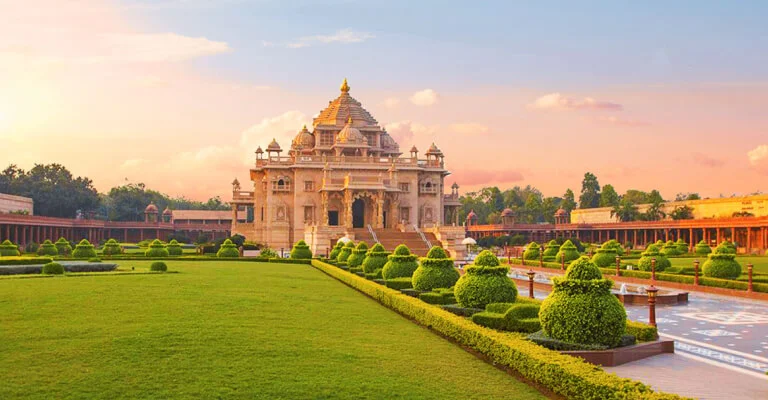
345	86
349	120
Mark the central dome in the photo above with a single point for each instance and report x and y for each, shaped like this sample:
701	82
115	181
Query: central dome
342	108
350	135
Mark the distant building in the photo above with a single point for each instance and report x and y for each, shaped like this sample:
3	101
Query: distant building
11	204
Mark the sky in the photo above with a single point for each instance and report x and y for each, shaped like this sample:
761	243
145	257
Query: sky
178	94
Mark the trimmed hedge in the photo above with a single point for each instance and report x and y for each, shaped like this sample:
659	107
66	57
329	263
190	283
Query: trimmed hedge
485	282
682	247
358	255
604	257
336	250
375	259
25	260
702	248
642	332
399	283
53	268
581	308
569	251
346	251
567	376
401	264
436	270
47	249
551	249
670	249
174	248
723	266
662	262
532	251
63	246
111	248
8	249
438	296
726	247
301	251
84	249
228	250
613	244
516	317
156	249
158	266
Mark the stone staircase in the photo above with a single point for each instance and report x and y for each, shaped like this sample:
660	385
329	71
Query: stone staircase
390	238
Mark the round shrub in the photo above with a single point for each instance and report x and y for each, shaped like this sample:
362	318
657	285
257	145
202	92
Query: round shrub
581	308
726	248
670	249
336	250
702	248
604	258
63	246
662	262
174	248
723	266
84	249
551	249
569	250
156	250
358	255
485	282
47	249
346	251
158	266
8	249
375	259
301	251
111	248
228	250
532	251
401	264
682	247
436	270
613	244
267	253
53	268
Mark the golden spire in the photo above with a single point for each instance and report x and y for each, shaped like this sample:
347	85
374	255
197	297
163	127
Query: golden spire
345	86
349	120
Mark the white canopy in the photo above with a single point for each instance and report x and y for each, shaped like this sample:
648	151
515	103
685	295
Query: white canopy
345	240
468	240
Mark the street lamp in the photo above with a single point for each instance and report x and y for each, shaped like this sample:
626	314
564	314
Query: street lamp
530	274
618	266
653	269
749	275
652	291
696	272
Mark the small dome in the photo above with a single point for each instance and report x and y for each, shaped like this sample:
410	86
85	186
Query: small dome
433	150
350	135
560	213
274	146
472	216
388	143
507	212
455	185
303	140
235	182
167	211
414	149
151	208
259	150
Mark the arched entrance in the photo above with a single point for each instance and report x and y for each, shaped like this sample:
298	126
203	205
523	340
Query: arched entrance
358	213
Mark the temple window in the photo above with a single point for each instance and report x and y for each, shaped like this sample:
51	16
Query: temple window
309	214
326	139
309	186
405	187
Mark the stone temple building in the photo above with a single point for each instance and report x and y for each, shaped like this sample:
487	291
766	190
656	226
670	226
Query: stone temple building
346	176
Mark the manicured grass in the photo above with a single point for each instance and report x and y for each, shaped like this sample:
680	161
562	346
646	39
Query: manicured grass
225	330
760	263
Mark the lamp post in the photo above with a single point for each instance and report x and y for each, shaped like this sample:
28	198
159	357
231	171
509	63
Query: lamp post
652	305
653	269
281	252
509	255
618	266
541	258
562	262
530	274
696	272
749	275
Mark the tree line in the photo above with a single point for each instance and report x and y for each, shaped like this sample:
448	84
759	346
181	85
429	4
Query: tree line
57	193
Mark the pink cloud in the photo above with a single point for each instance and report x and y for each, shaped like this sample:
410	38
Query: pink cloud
623	121
559	101
707	161
469	177
758	158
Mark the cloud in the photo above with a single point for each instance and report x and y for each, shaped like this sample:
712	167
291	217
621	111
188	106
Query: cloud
343	36
426	97
470	128
622	121
133	163
282	128
558	101
758	158
406	132
472	177
707	161
391	102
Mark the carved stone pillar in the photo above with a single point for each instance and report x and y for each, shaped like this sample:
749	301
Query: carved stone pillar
324	208
380	211
348	200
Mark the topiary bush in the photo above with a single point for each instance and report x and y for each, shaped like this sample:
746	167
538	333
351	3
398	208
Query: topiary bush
662	262
174	248
63	246
401	264
267	253
156	249
358	255
346	251
375	259
569	250
726	247
53	268
702	248
613	244
532	251
228	250
551	249
604	257
111	248
47	249
485	282
435	271
158	266
8	249
723	266
301	251
682	246
581	308
84	249
336	250
670	249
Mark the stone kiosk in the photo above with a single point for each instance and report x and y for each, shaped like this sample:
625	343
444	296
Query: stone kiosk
346	177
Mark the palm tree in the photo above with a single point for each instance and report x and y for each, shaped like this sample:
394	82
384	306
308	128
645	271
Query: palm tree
625	211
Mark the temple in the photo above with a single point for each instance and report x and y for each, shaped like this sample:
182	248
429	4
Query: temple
348	177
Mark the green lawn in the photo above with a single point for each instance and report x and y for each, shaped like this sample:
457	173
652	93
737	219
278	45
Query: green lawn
760	263
225	330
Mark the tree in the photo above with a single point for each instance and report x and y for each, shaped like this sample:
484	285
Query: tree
569	202
682	212
533	208
609	197
655	211
625	211
687	196
636	196
590	192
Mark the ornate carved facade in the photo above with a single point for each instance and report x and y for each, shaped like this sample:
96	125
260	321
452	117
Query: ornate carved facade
346	174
